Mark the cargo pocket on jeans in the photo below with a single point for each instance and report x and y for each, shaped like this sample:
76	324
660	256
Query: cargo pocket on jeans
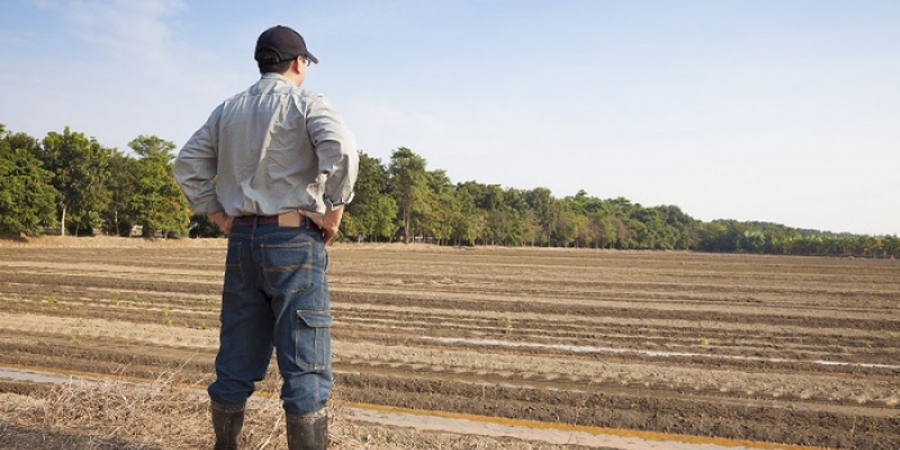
234	271
312	340
288	267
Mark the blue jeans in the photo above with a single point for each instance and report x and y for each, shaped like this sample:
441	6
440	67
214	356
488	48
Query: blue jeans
275	296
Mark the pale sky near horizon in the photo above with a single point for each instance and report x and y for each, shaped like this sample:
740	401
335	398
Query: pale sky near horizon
769	110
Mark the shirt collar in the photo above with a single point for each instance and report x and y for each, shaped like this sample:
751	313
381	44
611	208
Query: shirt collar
275	76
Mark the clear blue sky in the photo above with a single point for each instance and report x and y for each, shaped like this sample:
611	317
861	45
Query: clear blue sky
781	111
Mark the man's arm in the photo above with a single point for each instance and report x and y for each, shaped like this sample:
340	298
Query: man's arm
336	150
338	162
196	166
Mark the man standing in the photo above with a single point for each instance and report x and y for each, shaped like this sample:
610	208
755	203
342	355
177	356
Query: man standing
273	167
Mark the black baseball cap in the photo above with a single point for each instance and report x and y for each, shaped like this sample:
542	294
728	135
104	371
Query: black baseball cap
280	43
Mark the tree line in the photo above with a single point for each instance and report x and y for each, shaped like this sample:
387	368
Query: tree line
72	182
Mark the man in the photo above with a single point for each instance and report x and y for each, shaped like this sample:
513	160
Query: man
273	167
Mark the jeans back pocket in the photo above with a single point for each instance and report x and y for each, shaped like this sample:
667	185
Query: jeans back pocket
288	267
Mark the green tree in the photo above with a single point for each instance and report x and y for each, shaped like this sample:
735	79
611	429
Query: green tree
385	225
122	213
652	234
531	228
466	222
541	203
409	186
891	246
27	200
153	147
80	167
779	240
161	206
682	228
566	223
498	208
372	212
514	207
435	220
604	231
622	233
733	236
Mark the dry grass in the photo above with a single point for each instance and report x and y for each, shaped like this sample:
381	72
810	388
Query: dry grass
106	414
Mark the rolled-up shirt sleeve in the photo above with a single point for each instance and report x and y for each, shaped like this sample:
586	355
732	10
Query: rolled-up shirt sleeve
196	166
336	149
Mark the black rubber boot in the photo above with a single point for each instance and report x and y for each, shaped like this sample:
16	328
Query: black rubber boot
308	431
227	422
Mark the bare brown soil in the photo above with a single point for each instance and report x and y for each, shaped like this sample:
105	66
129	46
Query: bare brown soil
797	350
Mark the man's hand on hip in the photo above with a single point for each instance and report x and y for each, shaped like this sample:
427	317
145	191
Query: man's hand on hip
328	222
222	220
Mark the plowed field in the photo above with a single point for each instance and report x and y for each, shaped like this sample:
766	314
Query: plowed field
798	350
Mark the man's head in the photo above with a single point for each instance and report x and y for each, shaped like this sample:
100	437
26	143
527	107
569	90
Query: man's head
280	49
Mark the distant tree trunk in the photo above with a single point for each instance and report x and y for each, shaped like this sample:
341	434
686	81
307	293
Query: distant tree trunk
62	222
406	215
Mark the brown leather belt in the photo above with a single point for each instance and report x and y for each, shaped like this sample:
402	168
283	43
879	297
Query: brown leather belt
288	219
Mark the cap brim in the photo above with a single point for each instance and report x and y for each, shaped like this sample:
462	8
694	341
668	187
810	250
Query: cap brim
312	58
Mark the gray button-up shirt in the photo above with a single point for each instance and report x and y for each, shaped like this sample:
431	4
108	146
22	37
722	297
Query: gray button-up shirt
271	149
